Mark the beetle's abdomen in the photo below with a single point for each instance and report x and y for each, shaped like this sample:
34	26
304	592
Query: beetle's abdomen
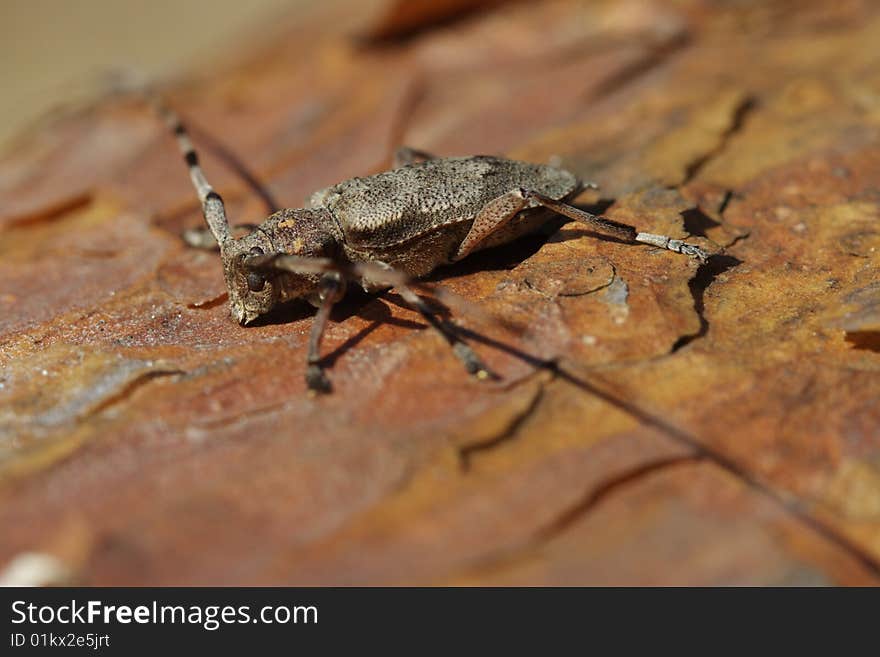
439	197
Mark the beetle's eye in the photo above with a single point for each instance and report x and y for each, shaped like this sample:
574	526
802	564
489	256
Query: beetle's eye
255	281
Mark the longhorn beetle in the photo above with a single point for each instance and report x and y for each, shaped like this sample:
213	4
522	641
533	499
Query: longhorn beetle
389	229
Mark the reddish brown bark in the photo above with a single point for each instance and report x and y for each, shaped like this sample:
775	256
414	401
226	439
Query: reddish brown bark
705	425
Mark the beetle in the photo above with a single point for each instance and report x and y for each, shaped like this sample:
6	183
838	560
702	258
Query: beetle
389	230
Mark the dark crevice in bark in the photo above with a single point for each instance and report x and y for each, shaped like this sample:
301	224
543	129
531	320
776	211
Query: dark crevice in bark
652	59
740	114
467	452
728	197
705	276
207	304
129	389
866	340
595	495
404	21
697	222
53	212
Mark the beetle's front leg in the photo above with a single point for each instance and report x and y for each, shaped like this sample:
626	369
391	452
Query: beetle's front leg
332	290
376	272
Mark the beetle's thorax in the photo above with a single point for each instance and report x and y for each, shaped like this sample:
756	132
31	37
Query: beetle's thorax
301	232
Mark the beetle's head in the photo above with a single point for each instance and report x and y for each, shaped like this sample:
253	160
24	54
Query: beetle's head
251	293
254	291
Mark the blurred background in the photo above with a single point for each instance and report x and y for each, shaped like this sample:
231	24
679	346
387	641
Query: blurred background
54	52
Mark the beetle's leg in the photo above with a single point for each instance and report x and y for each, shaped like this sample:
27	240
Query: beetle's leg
378	272
444	327
449	331
491	218
406	155
623	231
332	290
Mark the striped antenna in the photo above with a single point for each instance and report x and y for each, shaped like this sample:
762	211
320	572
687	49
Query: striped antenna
212	204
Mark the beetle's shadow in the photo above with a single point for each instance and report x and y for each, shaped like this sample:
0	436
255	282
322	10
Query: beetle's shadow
285	313
372	307
578	233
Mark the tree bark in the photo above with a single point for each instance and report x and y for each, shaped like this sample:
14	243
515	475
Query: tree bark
657	421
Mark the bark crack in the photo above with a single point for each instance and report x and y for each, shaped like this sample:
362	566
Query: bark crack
653	59
54	212
595	495
130	388
705	276
467	451
738	119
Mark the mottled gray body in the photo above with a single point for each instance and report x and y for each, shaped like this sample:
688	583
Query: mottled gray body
415	218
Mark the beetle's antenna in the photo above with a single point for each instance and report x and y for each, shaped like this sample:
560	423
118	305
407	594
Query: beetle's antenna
212	204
